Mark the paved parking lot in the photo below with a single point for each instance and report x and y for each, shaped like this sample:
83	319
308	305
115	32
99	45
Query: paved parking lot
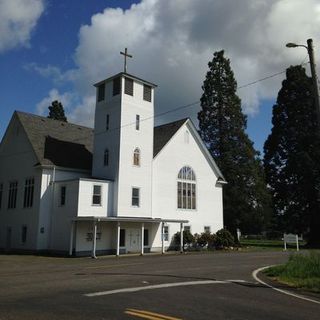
187	286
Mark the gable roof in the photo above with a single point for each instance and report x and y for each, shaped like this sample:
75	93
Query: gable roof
70	145
162	134
58	143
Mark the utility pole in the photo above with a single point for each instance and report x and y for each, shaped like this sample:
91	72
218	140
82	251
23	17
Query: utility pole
313	73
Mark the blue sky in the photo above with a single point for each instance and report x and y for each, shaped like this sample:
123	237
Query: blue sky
58	49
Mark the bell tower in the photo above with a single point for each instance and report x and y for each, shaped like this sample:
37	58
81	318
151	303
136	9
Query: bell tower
123	141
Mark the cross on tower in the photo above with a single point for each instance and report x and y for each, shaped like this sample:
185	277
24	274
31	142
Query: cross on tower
126	54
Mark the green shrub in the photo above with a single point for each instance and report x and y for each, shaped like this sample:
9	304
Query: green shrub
204	239
188	238
223	239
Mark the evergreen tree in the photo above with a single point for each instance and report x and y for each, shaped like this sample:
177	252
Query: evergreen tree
292	157
222	127
56	111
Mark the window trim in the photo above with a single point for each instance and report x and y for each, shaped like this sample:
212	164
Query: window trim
107	121
137	156
28	194
129	86
12	194
101	95
186	189
93	195
132	198
147	95
63	196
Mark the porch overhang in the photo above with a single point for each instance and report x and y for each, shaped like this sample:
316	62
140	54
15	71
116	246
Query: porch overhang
95	220
129	219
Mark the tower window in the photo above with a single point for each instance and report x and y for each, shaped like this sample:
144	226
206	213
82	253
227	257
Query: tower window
96	197
28	193
136	157
63	195
135	200
107	121
137	122
146	93
13	190
106	157
101	92
116	86
128	86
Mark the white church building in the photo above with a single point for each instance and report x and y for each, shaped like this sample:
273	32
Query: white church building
124	186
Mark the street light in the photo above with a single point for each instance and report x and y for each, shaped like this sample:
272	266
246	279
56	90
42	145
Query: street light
313	72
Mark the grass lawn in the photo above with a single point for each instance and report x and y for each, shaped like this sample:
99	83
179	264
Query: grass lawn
301	271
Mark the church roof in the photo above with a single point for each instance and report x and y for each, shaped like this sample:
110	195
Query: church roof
162	134
58	143
70	145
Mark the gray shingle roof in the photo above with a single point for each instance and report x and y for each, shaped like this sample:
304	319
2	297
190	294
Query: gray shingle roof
162	134
58	143
71	145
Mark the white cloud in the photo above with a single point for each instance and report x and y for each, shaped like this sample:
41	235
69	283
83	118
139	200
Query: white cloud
17	20
67	99
173	40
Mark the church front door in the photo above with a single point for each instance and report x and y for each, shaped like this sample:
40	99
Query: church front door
133	242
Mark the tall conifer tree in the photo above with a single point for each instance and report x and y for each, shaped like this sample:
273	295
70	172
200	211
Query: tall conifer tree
56	111
222	127
292	157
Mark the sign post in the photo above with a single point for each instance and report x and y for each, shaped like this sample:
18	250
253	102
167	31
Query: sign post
290	238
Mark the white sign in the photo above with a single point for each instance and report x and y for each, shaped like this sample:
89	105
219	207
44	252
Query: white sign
290	238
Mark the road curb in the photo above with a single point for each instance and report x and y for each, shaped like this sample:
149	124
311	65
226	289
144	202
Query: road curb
298	296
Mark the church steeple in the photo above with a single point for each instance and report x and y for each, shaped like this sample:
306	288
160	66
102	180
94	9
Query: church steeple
123	124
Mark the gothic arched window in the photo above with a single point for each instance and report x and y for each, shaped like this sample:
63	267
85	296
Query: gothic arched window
136	157
186	189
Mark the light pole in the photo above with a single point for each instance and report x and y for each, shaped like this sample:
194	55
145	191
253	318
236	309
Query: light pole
309	48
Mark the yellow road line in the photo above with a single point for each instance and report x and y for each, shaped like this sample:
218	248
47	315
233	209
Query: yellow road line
149	315
114	266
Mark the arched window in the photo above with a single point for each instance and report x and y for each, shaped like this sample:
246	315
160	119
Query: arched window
186	189
106	157
136	157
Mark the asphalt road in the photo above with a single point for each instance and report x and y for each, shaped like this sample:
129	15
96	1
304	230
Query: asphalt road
187	286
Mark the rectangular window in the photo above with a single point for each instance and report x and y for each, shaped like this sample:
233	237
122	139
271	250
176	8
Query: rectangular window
122	237
101	92
135	197
107	122
63	190
1	192
116	86
128	86
145	237
147	93
179	194
207	229
187	228
137	122
24	234
166	233
96	197
28	193
13	190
